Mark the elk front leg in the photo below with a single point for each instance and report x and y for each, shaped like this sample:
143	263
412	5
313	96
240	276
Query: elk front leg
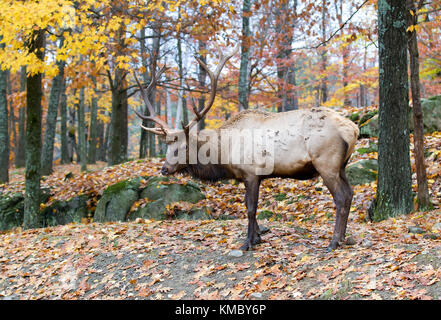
251	199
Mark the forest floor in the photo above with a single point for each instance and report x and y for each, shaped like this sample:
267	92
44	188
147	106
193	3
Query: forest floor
399	258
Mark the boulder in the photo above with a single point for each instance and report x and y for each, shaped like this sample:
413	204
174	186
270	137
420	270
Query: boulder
162	191
431	114
366	116
362	171
369	128
116	201
11	211
64	212
168	190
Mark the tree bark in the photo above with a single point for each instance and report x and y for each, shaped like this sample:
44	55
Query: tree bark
82	132
4	132
145	135
394	191
47	155
119	119
21	143
63	126
33	137
324	81
418	135
202	77
285	70
243	86
93	126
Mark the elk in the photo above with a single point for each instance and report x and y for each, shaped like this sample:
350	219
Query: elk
305	143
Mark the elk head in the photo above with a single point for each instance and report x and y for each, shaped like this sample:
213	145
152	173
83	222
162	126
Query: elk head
178	141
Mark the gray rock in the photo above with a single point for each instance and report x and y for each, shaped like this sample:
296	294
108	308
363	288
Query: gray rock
366	243
116	201
63	212
369	128
431	114
256	295
416	229
162	191
362	171
350	241
437	226
236	253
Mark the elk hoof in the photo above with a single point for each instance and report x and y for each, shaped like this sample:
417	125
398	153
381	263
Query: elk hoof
333	245
250	242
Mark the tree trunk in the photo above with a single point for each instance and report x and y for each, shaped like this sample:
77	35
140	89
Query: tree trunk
33	137
285	70
182	96
12	117
244	57
63	126
145	135
4	132
93	126
21	143
323	57
47	155
82	132
104	150
418	135
394	191
101	153
202	76
119	118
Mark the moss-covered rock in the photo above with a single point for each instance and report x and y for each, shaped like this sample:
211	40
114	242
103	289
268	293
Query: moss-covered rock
354	117
11	211
166	189
369	128
194	214
63	212
162	191
366	116
116	201
362	171
431	114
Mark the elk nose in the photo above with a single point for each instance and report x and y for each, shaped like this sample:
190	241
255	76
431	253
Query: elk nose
164	171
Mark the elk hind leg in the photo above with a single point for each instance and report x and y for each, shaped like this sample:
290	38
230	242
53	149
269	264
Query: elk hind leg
341	191
251	199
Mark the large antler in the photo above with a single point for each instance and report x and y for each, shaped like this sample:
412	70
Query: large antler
163	126
213	80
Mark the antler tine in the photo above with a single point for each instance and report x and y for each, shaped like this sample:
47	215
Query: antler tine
213	80
153	116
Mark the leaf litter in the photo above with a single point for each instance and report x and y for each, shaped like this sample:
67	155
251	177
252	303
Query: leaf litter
173	259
